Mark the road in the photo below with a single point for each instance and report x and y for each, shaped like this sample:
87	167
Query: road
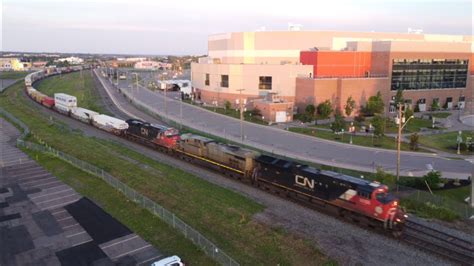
290	144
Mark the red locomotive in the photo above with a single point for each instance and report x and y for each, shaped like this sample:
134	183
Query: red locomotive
163	136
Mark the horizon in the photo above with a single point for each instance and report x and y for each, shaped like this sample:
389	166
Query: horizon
124	28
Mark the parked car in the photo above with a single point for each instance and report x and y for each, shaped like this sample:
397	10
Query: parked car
169	261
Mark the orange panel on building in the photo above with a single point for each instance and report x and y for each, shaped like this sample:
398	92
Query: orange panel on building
338	63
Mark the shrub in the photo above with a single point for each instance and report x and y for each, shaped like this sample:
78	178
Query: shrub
433	178
350	106
325	109
338	123
309	111
375	105
384	177
414	138
378	122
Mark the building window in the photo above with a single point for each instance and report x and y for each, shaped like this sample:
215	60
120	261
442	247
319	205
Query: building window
207	81
422	74
225	81
265	83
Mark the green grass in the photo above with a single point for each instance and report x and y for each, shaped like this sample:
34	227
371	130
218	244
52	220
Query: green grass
232	113
446	142
440	115
414	125
457	194
224	216
429	210
73	84
138	219
366	141
13	74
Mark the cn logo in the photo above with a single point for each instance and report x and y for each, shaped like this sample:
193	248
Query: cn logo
144	131
304	181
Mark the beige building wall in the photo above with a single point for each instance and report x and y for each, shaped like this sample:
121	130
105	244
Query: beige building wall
247	77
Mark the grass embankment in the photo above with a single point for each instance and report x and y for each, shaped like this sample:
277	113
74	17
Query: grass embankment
446	142
440	115
366	141
13	74
139	220
225	217
73	84
429	210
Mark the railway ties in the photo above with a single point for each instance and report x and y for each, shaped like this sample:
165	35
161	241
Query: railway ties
443	244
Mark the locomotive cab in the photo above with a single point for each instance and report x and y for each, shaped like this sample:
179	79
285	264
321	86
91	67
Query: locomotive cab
387	207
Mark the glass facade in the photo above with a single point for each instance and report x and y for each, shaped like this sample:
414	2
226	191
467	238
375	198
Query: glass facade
425	74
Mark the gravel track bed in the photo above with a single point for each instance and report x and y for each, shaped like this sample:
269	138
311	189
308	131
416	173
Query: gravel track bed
346	243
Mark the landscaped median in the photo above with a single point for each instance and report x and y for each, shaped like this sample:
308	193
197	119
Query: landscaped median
361	140
224	216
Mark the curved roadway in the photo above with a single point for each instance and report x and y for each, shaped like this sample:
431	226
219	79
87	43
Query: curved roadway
290	144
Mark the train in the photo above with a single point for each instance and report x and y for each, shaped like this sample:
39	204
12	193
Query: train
353	197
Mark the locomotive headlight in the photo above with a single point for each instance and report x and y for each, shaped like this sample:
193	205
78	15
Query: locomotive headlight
395	203
406	216
398	220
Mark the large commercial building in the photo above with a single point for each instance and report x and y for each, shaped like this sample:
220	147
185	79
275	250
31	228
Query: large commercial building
304	67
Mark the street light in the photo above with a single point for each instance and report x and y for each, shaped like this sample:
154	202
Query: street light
400	121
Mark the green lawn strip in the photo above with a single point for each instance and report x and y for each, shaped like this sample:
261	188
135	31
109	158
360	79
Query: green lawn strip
73	84
446	141
414	125
138	219
457	194
13	74
440	115
223	216
429	210
366	141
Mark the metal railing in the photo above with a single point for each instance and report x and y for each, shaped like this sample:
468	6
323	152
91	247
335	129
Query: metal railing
167	216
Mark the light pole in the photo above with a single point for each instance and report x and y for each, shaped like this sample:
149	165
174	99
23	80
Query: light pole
400	121
241	115
459	141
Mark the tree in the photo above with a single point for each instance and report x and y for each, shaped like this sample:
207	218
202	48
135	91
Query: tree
414	141
309	111
399	97
379	125
435	105
433	178
338	123
227	106
350	106
384	177
375	104
325	109
408	113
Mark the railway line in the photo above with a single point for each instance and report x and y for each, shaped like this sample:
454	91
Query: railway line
438	242
413	236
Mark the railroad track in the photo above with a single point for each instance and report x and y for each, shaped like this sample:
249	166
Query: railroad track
438	242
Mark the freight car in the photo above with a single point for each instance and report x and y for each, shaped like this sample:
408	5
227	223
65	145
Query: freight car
152	134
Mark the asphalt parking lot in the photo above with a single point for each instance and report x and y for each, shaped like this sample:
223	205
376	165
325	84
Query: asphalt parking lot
45	222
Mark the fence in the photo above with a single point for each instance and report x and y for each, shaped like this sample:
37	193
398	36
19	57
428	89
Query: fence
463	210
168	217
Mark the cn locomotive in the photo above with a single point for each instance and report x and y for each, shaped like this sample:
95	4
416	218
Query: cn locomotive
356	198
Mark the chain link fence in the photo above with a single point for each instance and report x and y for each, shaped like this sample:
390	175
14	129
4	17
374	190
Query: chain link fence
168	217
465	211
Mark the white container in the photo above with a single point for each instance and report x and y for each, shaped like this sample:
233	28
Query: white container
65	102
82	114
110	124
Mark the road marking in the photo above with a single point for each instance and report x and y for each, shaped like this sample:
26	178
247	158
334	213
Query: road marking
69	236
49	194
113	244
126	253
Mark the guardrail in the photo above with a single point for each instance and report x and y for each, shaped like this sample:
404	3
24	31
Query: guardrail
211	249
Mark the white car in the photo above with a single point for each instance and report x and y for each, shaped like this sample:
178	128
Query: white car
169	261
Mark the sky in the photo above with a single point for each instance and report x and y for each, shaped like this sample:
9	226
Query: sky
182	27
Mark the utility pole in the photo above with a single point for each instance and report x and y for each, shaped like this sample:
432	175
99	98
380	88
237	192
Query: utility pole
399	137
401	124
241	115
166	101
181	111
